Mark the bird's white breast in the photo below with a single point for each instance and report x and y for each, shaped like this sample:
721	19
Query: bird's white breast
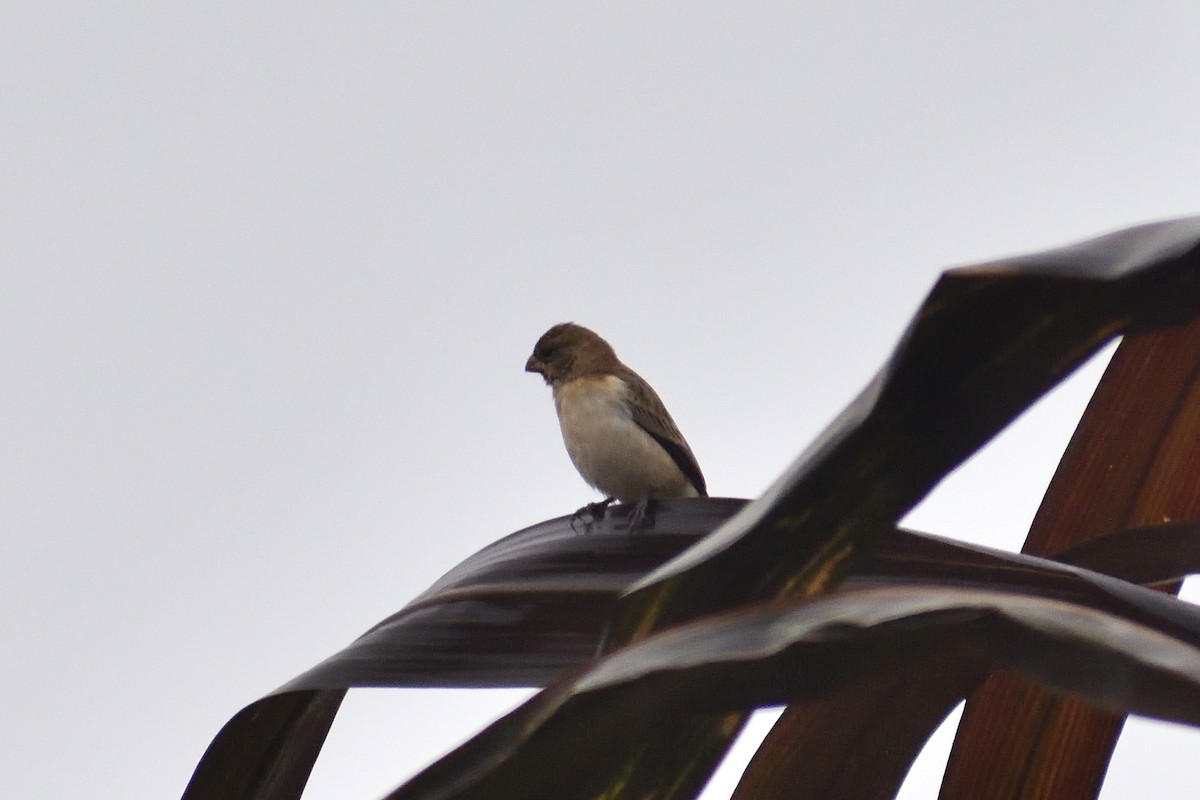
611	451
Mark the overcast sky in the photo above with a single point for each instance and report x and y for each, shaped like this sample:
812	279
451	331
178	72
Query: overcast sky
269	274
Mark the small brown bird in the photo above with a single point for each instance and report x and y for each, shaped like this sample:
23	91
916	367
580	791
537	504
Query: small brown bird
616	429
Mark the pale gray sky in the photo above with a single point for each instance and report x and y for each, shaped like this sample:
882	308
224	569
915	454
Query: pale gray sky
269	273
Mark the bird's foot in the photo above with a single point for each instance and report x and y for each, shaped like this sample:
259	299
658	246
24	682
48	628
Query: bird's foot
641	517
590	514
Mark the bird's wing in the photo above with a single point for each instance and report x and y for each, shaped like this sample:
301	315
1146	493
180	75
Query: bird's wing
651	416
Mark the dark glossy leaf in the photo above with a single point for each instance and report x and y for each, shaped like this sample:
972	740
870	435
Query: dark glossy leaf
858	742
902	558
522	610
528	577
987	342
1124	464
817	748
1132	461
1153	554
771	655
517	613
268	749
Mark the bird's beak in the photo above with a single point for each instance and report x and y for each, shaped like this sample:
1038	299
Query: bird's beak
533	365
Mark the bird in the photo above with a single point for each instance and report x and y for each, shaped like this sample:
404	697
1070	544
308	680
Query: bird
617	431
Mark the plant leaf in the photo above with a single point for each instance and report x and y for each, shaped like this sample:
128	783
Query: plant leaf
1150	554
770	654
493	597
1133	460
517	613
986	343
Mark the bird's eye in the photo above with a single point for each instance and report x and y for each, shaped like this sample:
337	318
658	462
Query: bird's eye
543	353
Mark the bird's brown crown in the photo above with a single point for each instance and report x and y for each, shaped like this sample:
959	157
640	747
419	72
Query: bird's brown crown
569	351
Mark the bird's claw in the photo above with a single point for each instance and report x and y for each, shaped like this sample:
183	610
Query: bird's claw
641	517
590	514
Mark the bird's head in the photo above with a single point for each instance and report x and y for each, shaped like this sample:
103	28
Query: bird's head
569	351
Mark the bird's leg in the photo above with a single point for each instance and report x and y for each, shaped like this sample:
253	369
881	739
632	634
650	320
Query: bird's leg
642	515
590	514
